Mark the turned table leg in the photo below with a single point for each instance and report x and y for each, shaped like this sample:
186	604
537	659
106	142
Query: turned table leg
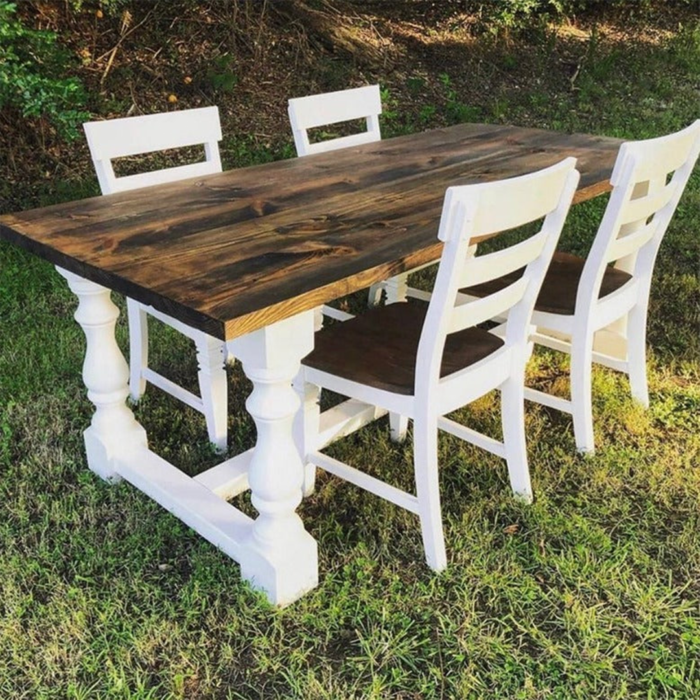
113	430
283	557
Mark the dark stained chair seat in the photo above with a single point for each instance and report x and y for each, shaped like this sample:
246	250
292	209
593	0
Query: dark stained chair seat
379	347
558	293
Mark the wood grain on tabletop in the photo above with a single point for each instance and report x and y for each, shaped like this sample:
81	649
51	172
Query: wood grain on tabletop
232	252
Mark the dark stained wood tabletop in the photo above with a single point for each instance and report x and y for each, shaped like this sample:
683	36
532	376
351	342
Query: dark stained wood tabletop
233	252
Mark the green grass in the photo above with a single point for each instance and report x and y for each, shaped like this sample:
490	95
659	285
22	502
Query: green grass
591	592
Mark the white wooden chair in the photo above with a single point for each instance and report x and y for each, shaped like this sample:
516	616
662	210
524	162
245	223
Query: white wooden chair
119	138
596	308
426	360
315	111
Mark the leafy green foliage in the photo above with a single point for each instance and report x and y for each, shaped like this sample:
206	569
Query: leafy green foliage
221	75
456	111
33	80
520	14
109	6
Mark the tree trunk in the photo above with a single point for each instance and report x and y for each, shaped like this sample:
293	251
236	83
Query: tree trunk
328	27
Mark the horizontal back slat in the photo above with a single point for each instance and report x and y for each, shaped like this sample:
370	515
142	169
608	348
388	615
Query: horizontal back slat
160	177
631	243
644	207
118	138
342	142
334	107
487	267
472	313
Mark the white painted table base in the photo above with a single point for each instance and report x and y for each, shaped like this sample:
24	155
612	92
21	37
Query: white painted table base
276	554
274	550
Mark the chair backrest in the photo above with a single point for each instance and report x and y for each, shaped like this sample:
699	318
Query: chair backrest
471	212
648	180
119	138
332	108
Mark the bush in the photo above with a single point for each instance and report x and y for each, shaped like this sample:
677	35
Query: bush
33	67
521	13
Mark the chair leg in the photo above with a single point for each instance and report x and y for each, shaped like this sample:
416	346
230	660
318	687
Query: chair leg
306	427
138	348
398	425
636	354
229	357
214	388
581	403
396	288
425	462
375	295
318	318
513	421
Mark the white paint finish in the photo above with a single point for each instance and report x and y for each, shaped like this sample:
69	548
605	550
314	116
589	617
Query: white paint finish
191	502
448	311
276	554
505	261
329	108
337	314
229	478
344	419
306	418
271	358
213	387
396	288
366	482
118	138
398	427
471	313
612	330
468	435
181	394
283	573
113	428
374	296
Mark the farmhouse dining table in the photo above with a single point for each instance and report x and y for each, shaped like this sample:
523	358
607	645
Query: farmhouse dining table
246	256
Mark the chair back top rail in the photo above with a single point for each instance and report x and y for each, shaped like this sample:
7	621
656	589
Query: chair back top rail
130	136
331	108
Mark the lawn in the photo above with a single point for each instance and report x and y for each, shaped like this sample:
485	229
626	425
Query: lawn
593	591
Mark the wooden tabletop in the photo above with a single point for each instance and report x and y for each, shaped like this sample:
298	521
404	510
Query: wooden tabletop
232	252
